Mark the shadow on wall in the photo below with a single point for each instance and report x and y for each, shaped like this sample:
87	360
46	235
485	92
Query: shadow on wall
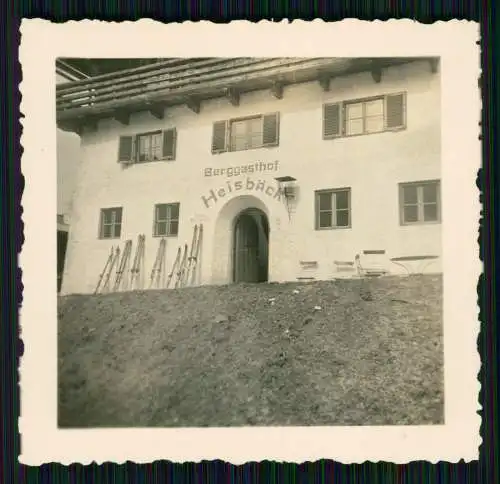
250	246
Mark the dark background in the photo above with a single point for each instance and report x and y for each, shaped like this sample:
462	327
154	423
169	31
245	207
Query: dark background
486	470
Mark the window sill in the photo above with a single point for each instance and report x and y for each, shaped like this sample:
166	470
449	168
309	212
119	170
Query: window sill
108	238
320	229
418	224
247	149
152	161
393	130
165	236
125	163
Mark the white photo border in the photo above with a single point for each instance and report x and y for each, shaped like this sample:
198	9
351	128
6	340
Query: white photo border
454	42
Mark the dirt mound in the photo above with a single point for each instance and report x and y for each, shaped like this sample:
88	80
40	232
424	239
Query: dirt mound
324	353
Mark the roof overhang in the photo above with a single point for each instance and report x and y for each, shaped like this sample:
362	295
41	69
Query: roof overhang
158	86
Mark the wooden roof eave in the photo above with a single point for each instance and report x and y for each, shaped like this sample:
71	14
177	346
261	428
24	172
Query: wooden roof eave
208	90
72	119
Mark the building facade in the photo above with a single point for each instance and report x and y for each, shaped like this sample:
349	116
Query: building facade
291	169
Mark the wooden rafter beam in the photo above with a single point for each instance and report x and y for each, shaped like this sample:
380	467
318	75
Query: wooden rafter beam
157	110
68	126
78	128
376	71
324	82
122	117
434	63
92	125
194	104
233	96
277	90
84	126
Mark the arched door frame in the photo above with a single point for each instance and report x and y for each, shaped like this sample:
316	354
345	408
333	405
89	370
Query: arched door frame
221	262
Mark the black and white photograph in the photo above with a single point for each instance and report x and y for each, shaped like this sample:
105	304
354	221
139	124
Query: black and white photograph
234	256
251	241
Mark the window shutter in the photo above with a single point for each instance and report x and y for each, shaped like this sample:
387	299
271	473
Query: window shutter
169	144
395	109
126	149
175	227
331	121
270	129
219	137
316	210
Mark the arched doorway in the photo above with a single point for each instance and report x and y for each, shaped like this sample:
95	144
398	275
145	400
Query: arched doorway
251	246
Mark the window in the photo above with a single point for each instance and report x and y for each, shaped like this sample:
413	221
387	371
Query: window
364	116
166	220
333	208
110	226
419	202
246	133
147	147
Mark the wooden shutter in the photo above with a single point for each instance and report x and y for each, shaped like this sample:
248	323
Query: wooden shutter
270	129
219	137
126	149
395	111
177	206
169	144
332	126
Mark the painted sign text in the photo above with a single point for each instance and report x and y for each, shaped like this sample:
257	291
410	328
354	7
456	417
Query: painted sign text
248	185
258	167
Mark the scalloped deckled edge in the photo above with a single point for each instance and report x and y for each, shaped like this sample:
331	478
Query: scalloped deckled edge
41	41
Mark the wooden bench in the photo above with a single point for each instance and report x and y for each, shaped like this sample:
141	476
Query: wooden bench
368	270
406	262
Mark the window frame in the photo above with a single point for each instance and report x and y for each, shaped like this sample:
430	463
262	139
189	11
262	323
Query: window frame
150	134
420	203
363	100
363	103
167	220
223	144
229	134
113	224
317	211
134	159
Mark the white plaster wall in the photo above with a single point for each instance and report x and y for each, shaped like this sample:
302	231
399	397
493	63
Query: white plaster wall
371	165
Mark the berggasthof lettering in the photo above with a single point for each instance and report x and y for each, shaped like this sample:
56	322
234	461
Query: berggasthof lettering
259	166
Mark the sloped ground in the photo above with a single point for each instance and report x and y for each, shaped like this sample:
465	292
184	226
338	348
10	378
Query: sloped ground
227	355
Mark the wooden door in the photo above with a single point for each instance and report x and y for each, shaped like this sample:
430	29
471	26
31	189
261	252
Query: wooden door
246	250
